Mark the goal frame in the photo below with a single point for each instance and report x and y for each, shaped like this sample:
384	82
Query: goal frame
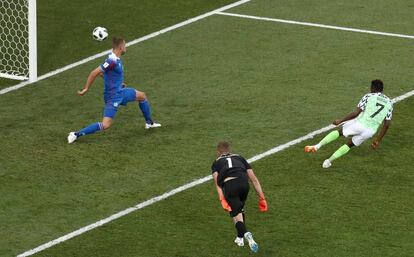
32	45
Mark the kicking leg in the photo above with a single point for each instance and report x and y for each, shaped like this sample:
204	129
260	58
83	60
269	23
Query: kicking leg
326	140
146	110
98	126
359	134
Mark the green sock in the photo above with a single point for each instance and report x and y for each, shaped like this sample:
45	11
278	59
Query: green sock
329	138
341	151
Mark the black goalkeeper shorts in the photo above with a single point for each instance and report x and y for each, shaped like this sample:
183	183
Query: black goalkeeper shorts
236	191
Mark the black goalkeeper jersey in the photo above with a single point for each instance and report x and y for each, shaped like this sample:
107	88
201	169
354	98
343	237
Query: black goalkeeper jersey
230	165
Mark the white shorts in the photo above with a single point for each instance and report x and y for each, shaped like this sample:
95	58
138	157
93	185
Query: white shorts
358	132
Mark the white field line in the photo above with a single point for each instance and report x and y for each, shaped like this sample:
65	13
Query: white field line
316	25
16	77
182	188
133	42
403	97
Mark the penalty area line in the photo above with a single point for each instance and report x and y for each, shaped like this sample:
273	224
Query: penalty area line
318	25
183	188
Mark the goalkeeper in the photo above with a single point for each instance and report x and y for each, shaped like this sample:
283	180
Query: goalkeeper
231	173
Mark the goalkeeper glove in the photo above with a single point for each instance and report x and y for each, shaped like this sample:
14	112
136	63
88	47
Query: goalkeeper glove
262	203
225	204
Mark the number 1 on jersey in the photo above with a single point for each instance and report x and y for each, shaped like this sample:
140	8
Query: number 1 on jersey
230	162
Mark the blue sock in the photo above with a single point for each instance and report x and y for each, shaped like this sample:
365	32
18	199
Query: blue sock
146	111
90	129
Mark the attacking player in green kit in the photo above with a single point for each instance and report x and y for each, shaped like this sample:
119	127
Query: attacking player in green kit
374	109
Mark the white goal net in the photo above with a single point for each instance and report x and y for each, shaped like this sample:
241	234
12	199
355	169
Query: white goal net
18	39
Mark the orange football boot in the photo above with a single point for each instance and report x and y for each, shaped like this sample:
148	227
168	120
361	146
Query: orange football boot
310	149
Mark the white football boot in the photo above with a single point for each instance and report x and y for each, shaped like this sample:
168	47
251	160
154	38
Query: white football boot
252	244
326	164
239	241
153	125
72	137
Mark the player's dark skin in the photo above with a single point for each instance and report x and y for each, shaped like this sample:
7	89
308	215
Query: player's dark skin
375	144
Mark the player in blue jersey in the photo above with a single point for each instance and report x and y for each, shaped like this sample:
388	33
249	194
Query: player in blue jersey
115	94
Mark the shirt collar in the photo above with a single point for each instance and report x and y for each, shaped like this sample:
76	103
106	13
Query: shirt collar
113	56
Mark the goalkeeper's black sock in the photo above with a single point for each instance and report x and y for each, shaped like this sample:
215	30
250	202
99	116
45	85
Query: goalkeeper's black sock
241	229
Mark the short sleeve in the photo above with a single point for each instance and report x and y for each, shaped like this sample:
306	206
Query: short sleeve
109	64
214	167
246	163
389	114
363	102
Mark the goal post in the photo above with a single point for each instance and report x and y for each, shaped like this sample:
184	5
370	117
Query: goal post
18	39
32	40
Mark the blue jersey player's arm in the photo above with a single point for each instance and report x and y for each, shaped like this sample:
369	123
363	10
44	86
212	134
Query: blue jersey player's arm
91	78
109	64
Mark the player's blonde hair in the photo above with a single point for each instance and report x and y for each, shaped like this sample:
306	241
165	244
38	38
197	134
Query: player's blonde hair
117	41
224	147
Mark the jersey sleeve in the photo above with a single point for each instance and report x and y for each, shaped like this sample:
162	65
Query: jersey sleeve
389	114
214	167
246	163
363	102
109	64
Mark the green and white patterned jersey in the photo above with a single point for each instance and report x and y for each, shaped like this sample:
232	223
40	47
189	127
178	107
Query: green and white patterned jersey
375	108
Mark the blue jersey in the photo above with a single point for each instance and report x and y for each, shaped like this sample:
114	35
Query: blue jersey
113	76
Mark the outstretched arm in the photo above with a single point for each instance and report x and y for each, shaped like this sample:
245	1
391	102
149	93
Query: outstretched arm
219	190
255	182
258	189
350	116
381	134
223	201
91	78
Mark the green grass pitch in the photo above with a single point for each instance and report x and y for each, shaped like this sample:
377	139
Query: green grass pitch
258	84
